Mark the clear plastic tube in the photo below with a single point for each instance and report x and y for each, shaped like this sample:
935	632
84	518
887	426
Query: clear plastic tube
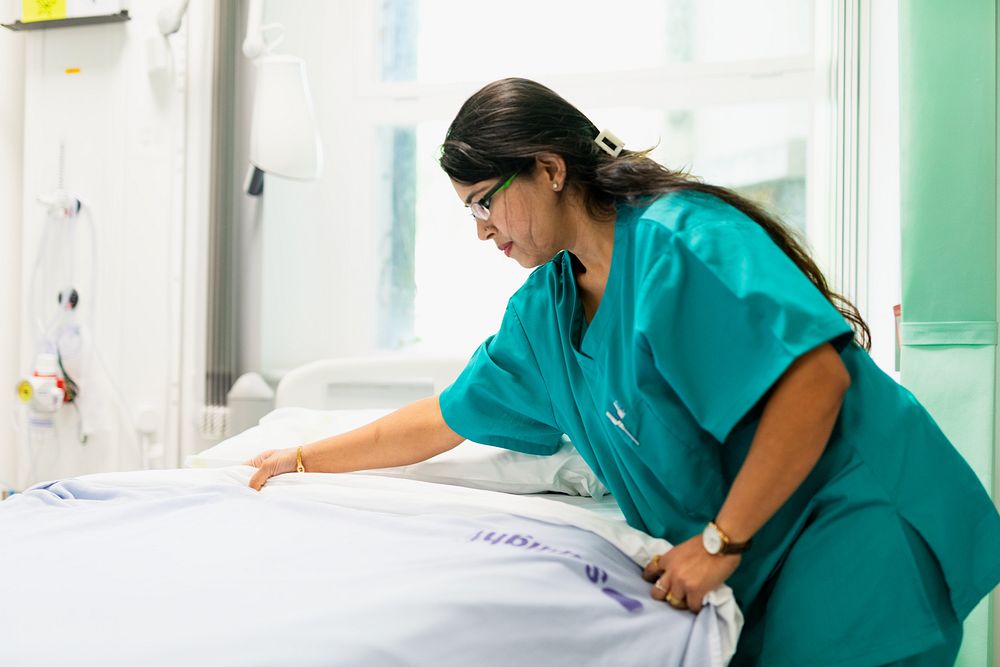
19	417
45	331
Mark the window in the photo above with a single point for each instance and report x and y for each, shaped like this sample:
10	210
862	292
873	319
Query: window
727	90
707	116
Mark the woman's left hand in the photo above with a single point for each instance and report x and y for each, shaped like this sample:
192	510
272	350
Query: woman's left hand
687	573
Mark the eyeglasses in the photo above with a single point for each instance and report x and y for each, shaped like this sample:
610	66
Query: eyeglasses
481	209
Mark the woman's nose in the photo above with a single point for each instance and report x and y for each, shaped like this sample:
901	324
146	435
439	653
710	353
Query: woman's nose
484	230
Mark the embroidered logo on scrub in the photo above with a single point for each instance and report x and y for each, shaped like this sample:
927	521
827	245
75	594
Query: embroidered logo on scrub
617	421
594	573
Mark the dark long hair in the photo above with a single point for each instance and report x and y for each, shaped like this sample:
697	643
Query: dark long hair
503	126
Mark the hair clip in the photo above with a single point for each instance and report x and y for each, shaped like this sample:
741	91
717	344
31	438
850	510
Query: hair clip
609	143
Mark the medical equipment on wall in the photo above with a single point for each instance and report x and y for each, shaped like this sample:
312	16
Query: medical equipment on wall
53	307
284	137
159	61
62	386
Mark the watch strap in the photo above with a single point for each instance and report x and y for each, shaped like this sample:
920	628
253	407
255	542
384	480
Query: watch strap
728	546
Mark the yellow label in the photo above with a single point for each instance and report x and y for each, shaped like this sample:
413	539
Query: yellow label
24	391
42	10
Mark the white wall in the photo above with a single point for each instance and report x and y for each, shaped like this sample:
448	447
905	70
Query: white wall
326	225
11	151
126	139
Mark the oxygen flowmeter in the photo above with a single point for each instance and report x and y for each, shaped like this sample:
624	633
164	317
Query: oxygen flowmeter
45	389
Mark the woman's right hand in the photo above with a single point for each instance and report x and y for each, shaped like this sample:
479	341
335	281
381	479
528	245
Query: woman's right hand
270	463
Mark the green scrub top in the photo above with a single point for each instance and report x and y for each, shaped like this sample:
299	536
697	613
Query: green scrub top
662	392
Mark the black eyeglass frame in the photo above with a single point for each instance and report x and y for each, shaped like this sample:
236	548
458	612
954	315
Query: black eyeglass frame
483	203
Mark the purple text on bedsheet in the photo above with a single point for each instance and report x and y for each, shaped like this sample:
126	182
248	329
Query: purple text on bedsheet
595	574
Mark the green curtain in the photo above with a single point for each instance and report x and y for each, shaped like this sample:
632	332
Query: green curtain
948	190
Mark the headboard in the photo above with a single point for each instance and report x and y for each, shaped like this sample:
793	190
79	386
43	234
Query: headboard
366	382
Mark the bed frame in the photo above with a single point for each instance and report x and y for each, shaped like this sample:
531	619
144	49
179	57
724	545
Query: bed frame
388	381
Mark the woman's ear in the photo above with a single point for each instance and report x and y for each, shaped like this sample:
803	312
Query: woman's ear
551	169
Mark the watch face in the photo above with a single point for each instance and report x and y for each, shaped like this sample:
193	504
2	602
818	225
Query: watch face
711	540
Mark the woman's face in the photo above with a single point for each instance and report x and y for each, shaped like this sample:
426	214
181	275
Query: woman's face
524	216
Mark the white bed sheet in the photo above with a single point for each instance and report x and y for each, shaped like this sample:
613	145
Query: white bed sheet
192	567
606	506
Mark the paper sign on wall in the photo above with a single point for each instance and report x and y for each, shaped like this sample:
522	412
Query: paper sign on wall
50	10
42	10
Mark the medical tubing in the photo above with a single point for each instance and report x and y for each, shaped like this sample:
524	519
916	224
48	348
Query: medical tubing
34	314
13	418
16	422
86	206
90	307
79	424
87	321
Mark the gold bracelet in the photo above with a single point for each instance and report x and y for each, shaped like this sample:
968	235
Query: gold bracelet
298	461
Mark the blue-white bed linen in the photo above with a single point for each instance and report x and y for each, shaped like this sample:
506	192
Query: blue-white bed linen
192	567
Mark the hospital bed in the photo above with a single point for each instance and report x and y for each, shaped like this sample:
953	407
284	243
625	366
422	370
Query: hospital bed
480	556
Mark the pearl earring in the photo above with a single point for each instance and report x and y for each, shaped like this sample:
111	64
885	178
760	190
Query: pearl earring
555	186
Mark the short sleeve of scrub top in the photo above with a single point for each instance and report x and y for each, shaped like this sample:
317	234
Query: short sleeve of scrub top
725	312
500	398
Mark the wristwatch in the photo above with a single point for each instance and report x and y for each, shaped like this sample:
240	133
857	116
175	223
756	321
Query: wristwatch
718	543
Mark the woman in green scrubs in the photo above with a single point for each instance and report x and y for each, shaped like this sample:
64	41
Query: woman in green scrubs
691	350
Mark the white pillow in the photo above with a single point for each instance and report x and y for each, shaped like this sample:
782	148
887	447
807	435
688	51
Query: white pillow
468	464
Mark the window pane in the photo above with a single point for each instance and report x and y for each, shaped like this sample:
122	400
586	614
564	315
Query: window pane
759	150
441	41
462	284
396	147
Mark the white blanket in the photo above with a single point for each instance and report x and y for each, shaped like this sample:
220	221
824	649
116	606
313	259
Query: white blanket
192	567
